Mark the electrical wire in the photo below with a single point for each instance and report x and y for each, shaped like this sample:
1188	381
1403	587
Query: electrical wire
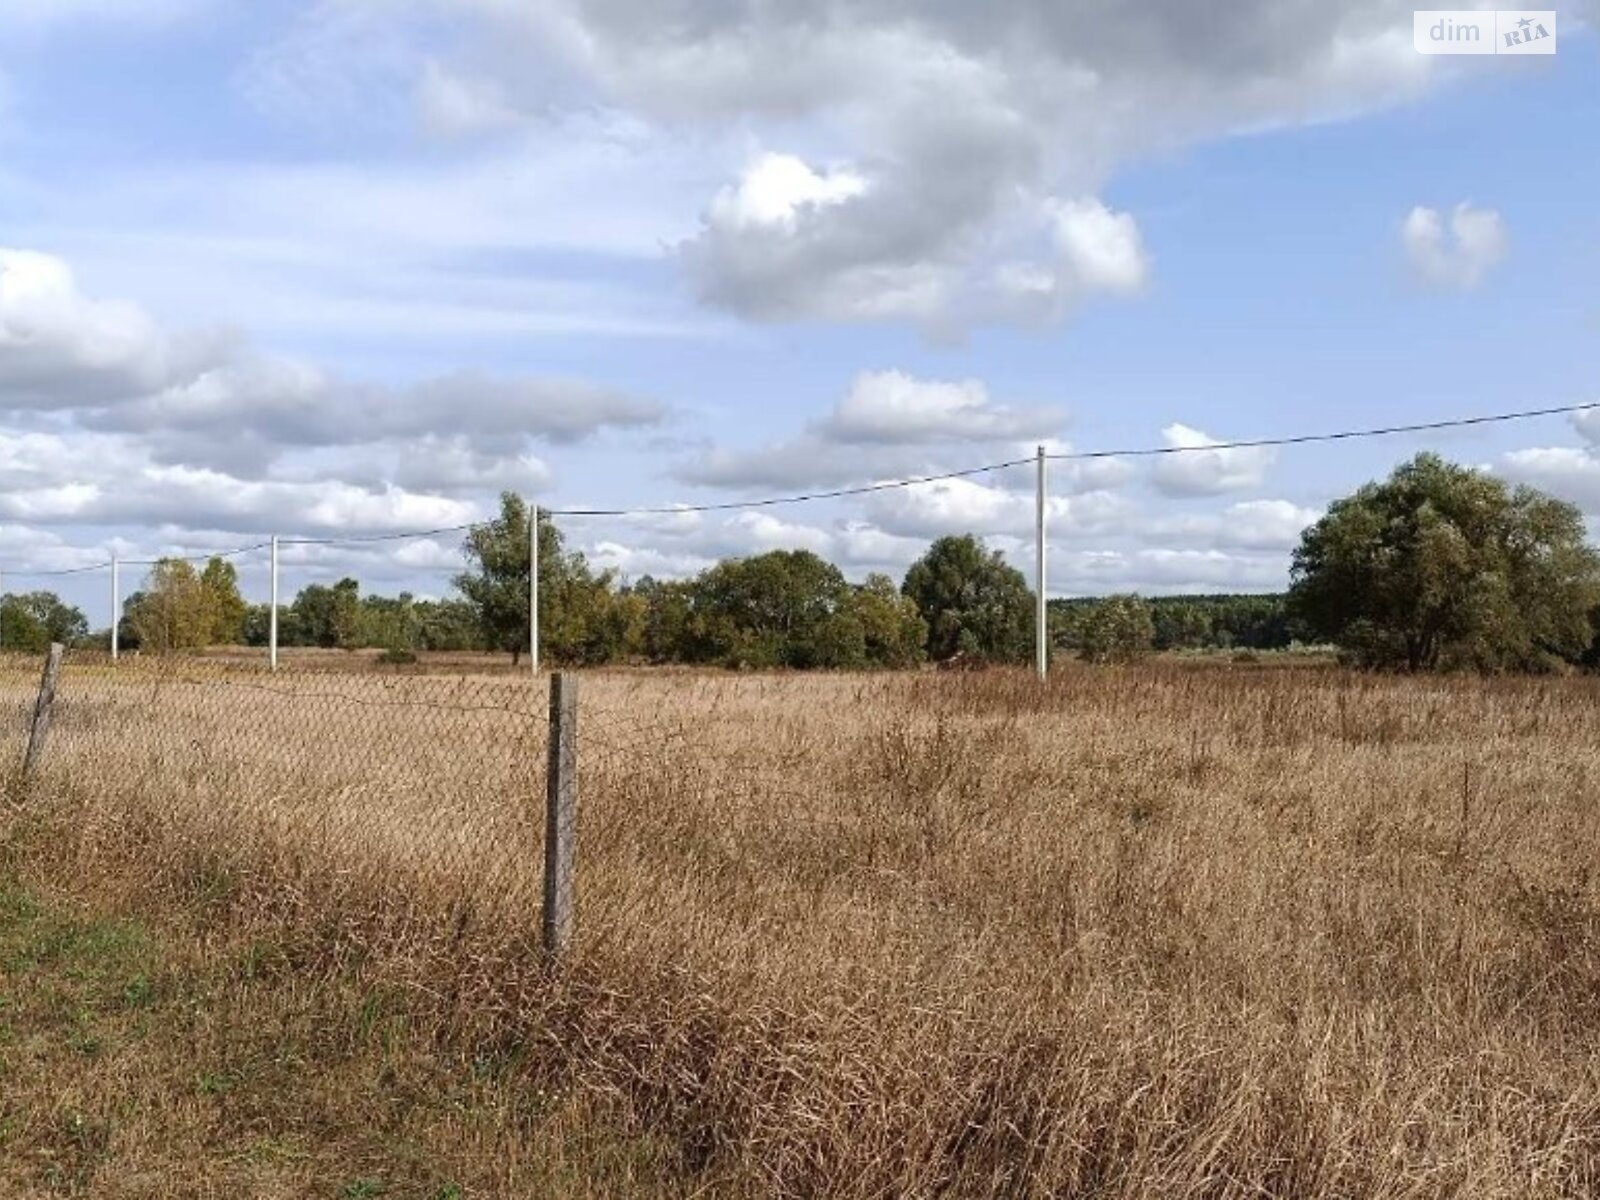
863	489
1337	436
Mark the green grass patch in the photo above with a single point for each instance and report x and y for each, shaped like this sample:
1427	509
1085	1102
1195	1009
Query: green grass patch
142	1060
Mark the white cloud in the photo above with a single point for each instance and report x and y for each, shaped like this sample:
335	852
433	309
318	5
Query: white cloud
1102	249
1568	472
1458	256
959	135
97	480
452	466
965	506
891	406
633	562
201	399
1265	525
60	349
1164	571
777	190
1587	423
1092	250
1201	472
892	425
119	424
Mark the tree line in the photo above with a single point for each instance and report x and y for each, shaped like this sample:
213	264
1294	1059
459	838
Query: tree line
782	609
1437	567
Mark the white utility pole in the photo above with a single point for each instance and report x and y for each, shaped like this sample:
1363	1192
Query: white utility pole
1042	612
116	602
272	618
533	586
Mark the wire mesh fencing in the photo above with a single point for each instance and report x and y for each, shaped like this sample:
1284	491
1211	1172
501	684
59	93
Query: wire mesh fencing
381	782
723	804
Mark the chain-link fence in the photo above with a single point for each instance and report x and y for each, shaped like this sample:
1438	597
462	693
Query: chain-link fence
339	774
431	782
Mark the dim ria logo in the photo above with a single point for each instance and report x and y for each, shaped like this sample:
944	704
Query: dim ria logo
1476	31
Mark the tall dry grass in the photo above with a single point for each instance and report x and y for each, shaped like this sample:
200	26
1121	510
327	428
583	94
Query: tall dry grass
1154	932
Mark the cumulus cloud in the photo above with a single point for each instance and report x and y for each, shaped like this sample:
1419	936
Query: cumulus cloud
935	163
690	543
203	399
889	425
284	404
95	480
891	406
1587	423
966	506
1264	525
1165	570
451	466
1457	252
60	349
779	190
119	423
1571	473
1095	250
1202	472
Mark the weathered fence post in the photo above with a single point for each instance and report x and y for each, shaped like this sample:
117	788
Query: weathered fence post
40	730
560	813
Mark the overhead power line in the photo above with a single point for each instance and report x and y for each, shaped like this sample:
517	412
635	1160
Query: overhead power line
363	539
1303	439
202	556
1342	435
1078	455
772	501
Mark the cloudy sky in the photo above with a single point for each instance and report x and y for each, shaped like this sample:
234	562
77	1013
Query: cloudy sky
338	268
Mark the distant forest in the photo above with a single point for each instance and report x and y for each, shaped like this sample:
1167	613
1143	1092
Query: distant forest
1217	621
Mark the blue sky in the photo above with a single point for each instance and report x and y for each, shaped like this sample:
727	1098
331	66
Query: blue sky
351	267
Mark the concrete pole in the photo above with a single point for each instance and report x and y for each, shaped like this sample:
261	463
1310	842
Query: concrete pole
1042	613
533	586
272	618
116	603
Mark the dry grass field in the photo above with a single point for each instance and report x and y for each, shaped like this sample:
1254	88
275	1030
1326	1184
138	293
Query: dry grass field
1163	931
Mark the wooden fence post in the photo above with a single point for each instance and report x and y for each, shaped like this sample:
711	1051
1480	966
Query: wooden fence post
42	708
560	813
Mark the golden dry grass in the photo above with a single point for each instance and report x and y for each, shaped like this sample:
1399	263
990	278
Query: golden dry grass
1155	932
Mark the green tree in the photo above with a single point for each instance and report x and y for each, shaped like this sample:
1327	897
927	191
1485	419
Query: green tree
172	612
668	614
1444	566
1182	625
30	622
1117	629
448	625
973	603
576	623
226	607
779	609
389	621
325	616
258	625
893	631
